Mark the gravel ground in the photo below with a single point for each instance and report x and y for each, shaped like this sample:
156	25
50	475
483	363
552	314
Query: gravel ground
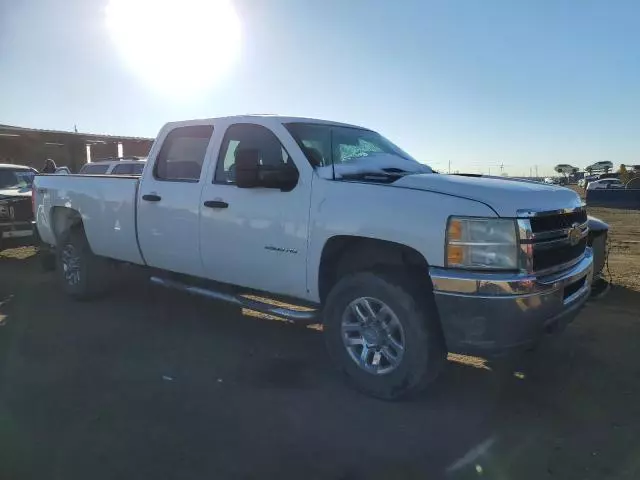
624	245
153	384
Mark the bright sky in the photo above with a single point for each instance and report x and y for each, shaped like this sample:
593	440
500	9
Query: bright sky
476	83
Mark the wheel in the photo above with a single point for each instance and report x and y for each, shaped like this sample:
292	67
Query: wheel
83	275
384	334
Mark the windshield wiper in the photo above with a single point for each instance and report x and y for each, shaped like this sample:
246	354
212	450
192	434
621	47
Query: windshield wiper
384	175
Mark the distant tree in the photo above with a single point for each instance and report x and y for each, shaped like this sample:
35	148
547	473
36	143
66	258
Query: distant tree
565	170
589	169
625	176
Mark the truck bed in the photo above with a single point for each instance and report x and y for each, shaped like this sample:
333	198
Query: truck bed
106	203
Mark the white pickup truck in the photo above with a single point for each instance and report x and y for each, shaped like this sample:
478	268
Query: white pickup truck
399	264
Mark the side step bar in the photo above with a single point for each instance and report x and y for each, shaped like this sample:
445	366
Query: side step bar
303	316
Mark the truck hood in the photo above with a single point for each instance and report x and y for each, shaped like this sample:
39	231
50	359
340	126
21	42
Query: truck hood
14	192
506	197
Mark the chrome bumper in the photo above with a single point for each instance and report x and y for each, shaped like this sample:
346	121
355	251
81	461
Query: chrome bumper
11	230
491	313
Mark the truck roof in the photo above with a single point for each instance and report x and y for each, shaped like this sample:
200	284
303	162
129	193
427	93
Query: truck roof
268	118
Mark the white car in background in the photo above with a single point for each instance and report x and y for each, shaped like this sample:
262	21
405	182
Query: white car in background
605	183
126	166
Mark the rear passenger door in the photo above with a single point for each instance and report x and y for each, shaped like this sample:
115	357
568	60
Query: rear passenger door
169	200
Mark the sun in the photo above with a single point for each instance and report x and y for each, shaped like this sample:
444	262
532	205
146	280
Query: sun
180	47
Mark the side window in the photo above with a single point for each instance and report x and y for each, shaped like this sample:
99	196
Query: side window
124	169
182	154
248	136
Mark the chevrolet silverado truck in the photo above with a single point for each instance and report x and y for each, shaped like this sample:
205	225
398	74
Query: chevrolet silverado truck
400	264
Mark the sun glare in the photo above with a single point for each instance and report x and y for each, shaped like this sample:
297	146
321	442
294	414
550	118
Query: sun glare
180	47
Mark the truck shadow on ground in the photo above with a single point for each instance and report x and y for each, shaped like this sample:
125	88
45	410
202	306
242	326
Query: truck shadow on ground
150	383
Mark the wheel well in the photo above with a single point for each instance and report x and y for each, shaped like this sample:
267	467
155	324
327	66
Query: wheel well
63	219
348	254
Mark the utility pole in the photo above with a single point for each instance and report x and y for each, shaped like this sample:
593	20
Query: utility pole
530	175
536	171
449	166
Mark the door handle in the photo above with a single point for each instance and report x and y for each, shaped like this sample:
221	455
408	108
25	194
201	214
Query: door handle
216	204
151	197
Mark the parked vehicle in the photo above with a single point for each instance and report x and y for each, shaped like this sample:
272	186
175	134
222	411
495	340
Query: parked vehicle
16	214
602	176
586	180
399	264
600	166
605	183
125	166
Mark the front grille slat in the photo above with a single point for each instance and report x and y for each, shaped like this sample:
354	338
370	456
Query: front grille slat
552	249
545	223
551	257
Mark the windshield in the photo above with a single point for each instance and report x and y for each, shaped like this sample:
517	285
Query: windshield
16	178
346	151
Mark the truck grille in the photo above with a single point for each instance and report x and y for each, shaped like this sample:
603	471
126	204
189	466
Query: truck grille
548	258
16	209
557	222
553	241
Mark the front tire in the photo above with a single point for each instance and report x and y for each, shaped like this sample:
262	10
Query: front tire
83	274
384	334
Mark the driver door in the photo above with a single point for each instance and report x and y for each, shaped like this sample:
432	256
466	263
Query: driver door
255	237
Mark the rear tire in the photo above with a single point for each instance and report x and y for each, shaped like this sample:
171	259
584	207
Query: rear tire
83	274
47	257
405	348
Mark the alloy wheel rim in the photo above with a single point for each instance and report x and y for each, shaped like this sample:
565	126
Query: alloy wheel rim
70	265
373	335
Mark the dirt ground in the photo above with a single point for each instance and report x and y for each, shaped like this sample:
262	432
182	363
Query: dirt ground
152	384
624	245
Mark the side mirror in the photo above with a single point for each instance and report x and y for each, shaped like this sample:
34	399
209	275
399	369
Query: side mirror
250	174
248	168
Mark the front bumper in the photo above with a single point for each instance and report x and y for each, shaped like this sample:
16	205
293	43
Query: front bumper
17	233
489	314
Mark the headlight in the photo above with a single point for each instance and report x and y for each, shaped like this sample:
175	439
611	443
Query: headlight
482	243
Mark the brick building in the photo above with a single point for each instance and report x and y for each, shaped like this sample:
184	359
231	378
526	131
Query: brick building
29	146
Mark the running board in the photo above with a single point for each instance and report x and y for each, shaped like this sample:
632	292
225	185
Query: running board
303	316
